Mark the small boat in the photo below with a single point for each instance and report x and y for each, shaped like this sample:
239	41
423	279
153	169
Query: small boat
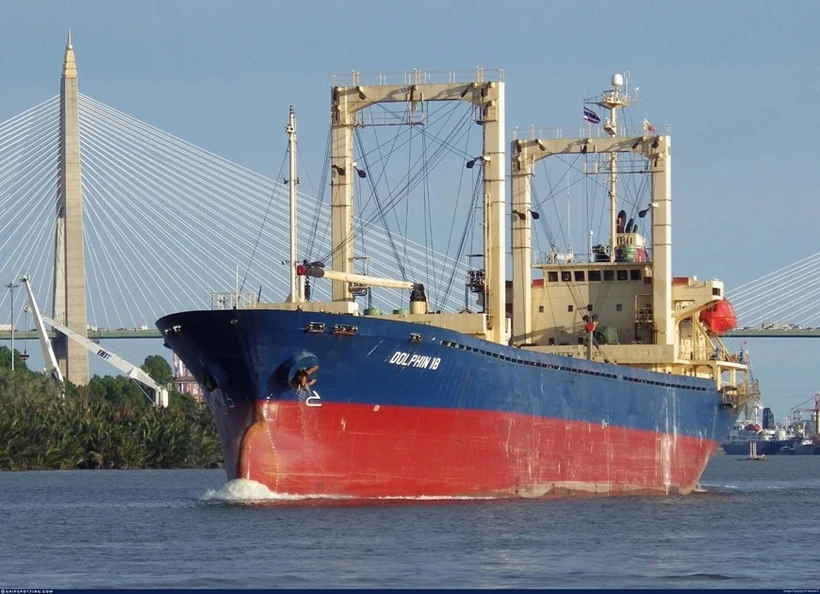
753	455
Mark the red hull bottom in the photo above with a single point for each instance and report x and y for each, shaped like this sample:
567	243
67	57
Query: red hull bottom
377	451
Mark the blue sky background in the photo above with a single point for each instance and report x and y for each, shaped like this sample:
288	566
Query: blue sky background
737	82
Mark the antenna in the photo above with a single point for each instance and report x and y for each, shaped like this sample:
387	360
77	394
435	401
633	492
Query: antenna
612	100
296	281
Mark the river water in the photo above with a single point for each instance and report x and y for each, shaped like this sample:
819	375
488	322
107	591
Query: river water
753	525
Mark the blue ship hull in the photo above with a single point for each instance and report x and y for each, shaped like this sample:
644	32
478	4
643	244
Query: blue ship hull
440	413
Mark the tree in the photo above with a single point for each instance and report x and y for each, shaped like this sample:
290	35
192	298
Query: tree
5	359
159	369
118	390
107	424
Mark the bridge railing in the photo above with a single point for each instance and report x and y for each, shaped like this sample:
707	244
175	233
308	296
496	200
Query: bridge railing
234	300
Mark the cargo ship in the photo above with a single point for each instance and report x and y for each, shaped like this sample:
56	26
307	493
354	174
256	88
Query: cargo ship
765	439
756	434
600	376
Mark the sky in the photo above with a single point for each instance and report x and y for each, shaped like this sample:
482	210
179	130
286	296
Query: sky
734	80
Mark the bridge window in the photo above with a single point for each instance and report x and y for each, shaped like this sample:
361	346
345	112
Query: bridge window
566	276
609	275
622	275
579	276
634	274
594	276
552	276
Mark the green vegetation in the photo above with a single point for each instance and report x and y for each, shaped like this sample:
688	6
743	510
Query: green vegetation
107	424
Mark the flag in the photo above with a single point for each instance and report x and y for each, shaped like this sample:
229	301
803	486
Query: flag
591	116
648	127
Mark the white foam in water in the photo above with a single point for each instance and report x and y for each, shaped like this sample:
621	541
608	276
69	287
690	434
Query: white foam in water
243	491
709	487
248	491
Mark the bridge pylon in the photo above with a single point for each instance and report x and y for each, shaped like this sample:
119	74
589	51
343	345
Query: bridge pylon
69	260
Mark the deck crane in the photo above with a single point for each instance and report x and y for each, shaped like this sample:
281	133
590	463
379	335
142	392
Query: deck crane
160	393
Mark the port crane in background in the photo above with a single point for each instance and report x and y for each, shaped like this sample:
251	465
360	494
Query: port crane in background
160	393
797	411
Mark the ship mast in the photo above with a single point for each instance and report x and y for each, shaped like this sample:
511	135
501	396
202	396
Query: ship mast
656	150
487	96
296	293
612	100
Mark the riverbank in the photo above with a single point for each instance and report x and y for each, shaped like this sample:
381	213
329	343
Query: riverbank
107	424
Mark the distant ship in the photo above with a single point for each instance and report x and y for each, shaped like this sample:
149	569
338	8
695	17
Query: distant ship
600	377
807	440
768	439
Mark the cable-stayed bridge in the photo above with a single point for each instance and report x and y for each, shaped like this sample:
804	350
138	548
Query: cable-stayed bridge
151	224
165	226
168	226
780	303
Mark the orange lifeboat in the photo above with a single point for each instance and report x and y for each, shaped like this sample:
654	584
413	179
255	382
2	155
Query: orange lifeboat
720	317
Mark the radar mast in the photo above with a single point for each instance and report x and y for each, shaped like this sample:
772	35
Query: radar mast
612	100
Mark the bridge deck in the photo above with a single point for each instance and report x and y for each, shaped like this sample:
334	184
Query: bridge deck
773	333
93	335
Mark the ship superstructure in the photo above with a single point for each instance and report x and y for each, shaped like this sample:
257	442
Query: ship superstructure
625	299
